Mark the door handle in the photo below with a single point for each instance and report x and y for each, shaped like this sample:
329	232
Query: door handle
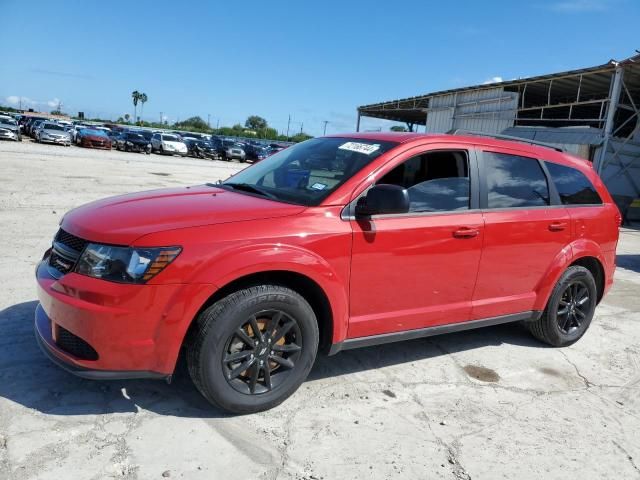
466	232
557	226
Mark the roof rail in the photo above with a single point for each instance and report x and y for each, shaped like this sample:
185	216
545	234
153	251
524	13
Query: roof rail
461	131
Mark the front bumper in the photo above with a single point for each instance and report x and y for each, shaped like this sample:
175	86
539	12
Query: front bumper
129	326
47	345
61	141
8	135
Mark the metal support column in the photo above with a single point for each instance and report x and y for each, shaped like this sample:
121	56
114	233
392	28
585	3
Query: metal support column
614	98
358	122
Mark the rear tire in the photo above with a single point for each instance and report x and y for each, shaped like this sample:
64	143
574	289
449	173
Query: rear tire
282	363
569	310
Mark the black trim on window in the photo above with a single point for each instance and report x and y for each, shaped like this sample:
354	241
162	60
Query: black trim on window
554	199
348	213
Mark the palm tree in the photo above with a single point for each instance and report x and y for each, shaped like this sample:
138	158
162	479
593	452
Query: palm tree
143	99
135	95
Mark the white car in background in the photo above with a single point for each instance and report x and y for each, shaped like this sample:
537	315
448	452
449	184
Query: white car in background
9	129
167	143
52	132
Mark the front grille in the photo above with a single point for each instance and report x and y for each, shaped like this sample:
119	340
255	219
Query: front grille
70	241
74	345
66	251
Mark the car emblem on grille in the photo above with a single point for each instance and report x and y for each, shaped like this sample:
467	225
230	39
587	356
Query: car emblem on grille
64	265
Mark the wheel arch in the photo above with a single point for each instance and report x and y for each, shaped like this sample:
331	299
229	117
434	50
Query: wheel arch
302	284
596	268
585	253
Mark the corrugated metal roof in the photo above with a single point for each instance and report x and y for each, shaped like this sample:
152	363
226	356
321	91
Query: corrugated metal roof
606	67
563	135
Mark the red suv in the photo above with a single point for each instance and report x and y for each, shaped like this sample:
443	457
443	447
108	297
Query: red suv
337	242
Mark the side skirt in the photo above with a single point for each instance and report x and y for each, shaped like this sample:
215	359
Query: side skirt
352	343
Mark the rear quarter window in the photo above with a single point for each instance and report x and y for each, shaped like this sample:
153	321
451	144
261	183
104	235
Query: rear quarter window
573	187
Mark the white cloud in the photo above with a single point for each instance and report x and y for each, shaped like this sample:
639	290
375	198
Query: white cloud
492	80
579	6
53	103
14	100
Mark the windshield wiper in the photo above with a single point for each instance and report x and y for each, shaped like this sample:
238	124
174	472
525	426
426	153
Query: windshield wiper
247	187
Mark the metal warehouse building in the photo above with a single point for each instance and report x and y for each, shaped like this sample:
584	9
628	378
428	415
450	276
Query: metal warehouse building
592	112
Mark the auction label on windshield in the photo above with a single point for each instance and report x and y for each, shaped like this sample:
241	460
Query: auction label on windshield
365	148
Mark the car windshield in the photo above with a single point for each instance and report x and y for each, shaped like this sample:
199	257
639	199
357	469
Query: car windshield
91	131
170	138
7	121
134	136
53	126
310	171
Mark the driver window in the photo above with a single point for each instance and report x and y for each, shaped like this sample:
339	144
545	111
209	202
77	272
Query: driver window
436	181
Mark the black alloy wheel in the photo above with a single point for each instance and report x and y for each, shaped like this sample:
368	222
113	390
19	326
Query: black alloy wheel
252	349
573	307
569	310
262	353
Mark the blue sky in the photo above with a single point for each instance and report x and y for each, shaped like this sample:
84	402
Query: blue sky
313	60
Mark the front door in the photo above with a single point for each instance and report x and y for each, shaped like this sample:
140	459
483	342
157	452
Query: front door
419	269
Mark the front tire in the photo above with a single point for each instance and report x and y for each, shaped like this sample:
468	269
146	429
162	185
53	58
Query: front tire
251	350
569	310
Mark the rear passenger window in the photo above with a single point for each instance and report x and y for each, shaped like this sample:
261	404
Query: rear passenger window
436	181
514	181
573	187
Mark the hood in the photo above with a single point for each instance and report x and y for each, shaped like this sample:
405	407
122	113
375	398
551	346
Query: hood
137	141
123	219
6	126
55	132
174	144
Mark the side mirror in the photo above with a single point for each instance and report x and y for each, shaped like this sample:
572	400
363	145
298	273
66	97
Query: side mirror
383	199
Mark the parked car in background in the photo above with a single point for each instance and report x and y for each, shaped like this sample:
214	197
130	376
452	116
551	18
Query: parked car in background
33	128
169	144
198	136
230	149
201	148
257	151
9	129
29	123
113	135
132	142
92	138
53	132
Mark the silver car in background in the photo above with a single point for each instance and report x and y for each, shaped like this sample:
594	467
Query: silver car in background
9	129
51	132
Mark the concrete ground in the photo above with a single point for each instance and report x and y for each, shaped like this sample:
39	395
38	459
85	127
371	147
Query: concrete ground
484	404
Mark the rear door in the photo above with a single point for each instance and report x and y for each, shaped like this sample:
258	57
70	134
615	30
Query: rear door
525	231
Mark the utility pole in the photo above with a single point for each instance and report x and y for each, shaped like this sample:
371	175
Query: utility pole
325	127
160	118
301	125
209	120
288	124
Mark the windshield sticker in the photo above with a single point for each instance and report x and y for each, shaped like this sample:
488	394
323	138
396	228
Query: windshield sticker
318	186
364	148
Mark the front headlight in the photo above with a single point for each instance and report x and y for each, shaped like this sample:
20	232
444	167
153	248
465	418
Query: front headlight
124	264
129	143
